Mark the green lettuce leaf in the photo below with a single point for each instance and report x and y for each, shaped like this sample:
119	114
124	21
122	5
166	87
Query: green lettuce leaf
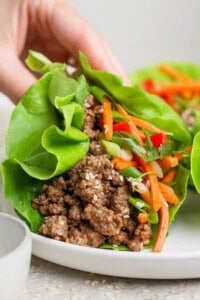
139	103
45	146
189	69
19	190
195	162
180	188
38	62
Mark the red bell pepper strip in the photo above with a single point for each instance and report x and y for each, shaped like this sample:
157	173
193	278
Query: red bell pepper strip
148	85
157	139
122	126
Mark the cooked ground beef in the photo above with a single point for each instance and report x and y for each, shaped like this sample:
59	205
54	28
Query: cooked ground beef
90	118
121	238
95	239
78	237
55	227
94	180
90	205
119	201
143	233
51	200
103	220
96	148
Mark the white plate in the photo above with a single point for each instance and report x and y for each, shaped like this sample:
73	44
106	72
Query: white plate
180	257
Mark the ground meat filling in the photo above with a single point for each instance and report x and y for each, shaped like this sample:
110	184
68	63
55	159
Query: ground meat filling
90	205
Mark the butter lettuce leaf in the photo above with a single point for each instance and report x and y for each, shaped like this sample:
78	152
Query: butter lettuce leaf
195	162
152	71
38	62
19	190
180	187
49	139
139	103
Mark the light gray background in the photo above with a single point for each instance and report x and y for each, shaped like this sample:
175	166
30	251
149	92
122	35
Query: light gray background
142	32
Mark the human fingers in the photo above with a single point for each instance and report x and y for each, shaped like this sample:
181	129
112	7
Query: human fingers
75	34
15	79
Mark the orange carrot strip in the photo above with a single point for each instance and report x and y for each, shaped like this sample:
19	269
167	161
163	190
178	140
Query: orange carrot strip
107	119
146	196
155	192
142	217
179	156
178	88
168	193
146	125
134	130
125	164
156	201
173	72
117	160
163	227
169	177
176	75
168	162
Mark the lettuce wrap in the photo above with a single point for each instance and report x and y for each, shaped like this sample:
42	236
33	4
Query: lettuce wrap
185	102
140	134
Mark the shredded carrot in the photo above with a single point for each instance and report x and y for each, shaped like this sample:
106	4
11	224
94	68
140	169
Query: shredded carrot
176	74
107	119
142	217
168	162
141	134
168	193
178	88
155	192
134	130
125	164
180	155
163	227
120	163
146	125
117	160
146	196
173	72
169	177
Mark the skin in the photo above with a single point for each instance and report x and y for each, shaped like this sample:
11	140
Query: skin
52	27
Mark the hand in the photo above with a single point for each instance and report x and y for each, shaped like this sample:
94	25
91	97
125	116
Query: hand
53	28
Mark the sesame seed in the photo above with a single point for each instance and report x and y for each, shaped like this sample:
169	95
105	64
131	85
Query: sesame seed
91	175
97	186
121	178
87	177
86	105
126	216
95	198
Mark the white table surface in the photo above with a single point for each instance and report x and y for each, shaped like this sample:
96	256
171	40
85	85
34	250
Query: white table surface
50	281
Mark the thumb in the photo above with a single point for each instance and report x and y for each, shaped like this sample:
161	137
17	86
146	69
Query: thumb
15	79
